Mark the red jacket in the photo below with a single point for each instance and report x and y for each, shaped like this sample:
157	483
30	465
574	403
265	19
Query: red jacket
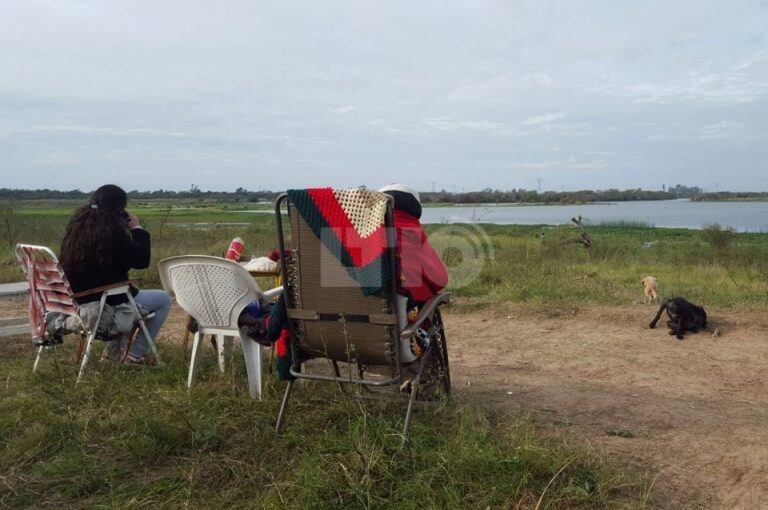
422	273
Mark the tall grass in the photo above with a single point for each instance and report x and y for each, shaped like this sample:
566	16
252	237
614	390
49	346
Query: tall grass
139	439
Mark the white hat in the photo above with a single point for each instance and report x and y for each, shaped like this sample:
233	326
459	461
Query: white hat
399	187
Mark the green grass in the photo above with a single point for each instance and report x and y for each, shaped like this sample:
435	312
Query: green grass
517	264
138	439
525	268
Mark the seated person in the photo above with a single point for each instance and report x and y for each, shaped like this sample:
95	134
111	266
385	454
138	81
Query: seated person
422	273
102	243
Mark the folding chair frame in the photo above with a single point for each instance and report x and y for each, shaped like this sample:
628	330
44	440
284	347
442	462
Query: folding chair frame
24	254
429	310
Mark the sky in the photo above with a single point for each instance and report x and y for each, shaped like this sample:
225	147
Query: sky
435	94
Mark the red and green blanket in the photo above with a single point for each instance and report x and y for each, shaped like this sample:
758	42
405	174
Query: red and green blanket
351	224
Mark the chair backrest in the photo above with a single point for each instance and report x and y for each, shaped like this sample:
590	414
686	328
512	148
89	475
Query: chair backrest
329	314
49	289
212	290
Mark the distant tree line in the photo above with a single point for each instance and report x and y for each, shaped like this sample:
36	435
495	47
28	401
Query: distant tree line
491	196
194	192
722	196
486	196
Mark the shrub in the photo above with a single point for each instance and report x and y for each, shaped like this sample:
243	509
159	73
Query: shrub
718	237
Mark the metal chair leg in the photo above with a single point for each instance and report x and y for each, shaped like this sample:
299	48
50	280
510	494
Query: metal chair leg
38	358
409	412
284	408
91	337
86	356
414	390
143	326
337	373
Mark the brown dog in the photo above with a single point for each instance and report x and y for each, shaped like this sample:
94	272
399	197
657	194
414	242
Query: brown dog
650	289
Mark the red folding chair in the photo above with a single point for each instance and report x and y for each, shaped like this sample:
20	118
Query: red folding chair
50	292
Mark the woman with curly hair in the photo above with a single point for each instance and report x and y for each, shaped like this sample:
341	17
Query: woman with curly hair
102	243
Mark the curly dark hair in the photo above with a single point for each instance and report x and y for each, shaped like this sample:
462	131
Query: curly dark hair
94	229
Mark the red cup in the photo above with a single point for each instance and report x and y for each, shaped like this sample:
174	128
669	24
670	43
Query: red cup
235	250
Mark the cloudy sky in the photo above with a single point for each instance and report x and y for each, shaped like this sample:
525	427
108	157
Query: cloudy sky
439	94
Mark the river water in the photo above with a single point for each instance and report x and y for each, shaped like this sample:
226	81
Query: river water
742	216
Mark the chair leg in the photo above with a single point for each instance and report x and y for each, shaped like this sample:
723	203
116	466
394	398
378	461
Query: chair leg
337	373
252	354
80	349
414	390
38	358
196	348
186	336
86	355
129	343
143	326
91	337
409	412
219	345
284	408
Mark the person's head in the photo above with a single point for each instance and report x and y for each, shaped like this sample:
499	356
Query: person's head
406	199
110	198
94	229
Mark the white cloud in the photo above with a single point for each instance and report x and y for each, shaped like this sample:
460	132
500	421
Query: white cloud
721	130
419	91
546	118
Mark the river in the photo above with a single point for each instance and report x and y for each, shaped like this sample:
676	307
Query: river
742	216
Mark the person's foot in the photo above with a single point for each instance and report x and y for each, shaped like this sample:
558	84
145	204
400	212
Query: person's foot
140	361
111	356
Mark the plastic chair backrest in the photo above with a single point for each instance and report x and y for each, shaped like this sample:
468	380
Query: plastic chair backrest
49	289
212	290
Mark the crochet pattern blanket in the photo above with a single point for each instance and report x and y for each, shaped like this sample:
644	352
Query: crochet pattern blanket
351	224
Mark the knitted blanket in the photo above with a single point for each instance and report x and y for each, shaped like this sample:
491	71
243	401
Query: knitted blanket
351	224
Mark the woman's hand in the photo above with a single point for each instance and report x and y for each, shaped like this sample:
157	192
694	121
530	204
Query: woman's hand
133	220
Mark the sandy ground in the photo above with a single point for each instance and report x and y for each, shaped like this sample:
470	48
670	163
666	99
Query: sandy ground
695	411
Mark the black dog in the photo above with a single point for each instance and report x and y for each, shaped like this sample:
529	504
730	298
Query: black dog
683	316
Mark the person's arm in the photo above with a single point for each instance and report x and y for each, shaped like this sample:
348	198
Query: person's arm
139	249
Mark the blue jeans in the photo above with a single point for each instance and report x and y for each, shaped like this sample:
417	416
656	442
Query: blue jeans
158	301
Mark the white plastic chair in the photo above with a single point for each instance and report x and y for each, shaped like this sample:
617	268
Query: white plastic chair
214	291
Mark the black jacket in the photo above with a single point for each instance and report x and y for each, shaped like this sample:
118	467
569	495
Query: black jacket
133	252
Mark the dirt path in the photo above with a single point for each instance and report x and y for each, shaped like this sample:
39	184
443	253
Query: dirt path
696	411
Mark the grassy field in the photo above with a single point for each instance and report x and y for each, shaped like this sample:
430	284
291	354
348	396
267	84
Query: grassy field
138	439
492	264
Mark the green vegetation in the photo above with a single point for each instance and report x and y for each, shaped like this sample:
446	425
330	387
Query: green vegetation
731	196
718	237
527	268
485	196
138	439
521	263
524	196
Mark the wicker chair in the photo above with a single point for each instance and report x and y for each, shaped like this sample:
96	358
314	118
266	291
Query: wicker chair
330	317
